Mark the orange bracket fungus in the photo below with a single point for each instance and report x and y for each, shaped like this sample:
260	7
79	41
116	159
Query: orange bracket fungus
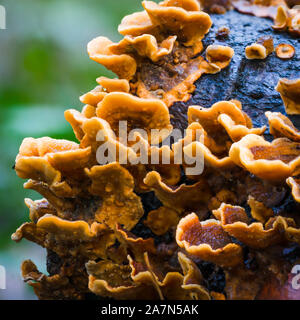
159	51
219	56
122	214
261	49
74	238
271	161
282	126
115	185
290	94
56	287
223	123
287	19
185	196
259	211
259	8
285	51
140	113
235	222
208	241
295	186
140	281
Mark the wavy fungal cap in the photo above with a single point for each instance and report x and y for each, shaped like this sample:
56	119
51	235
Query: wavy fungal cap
282	126
271	161
208	241
285	51
290	93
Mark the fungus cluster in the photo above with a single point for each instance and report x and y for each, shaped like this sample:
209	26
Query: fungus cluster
159	54
259	8
285	13
130	230
287	19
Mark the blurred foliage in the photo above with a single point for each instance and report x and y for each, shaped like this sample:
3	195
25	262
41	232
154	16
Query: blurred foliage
44	68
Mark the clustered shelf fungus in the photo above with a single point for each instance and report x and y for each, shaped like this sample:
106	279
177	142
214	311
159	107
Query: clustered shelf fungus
159	54
132	230
284	13
287	19
261	8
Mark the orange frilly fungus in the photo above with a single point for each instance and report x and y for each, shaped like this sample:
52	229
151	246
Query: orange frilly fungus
106	86
182	18
287	19
270	161
138	280
223	120
56	287
259	8
114	184
94	132
261	49
145	114
91	212
282	126
170	173
165	36
123	65
210	160
94	96
259	210
189	197
47	161
285	51
155	114
219	56
223	123
145	46
235	222
290	94
68	238
295	186
113	85
136	246
255	51
140	113
208	241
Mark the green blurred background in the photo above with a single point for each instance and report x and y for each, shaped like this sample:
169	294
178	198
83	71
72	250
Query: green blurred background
44	68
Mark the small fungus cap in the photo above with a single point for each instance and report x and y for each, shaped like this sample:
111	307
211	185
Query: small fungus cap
290	93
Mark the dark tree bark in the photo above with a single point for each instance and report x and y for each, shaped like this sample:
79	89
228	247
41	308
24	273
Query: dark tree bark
250	81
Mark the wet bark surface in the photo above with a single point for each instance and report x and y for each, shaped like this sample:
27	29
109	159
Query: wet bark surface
250	81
